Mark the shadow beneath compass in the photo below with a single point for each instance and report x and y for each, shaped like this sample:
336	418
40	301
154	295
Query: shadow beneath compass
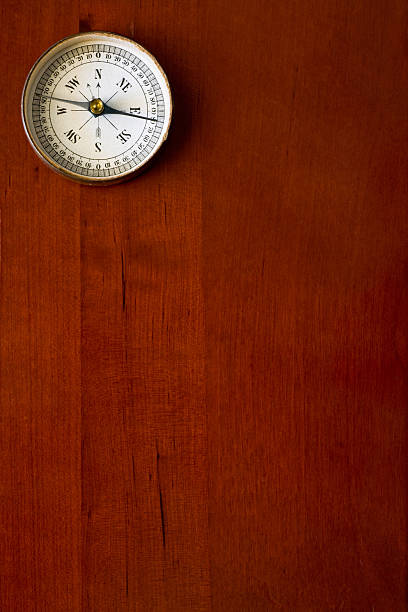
184	128
181	146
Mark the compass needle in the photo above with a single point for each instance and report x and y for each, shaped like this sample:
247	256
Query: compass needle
115	111
86	73
84	105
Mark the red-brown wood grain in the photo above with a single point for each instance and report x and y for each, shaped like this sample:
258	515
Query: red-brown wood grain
203	371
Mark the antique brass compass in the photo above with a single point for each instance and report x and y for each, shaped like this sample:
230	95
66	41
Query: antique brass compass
96	107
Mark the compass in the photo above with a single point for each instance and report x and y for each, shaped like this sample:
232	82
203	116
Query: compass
96	107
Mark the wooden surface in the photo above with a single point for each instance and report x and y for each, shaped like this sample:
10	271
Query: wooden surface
203	371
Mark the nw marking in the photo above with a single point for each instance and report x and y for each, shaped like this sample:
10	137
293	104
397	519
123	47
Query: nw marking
72	83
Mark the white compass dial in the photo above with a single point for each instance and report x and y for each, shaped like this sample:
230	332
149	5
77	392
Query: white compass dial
96	107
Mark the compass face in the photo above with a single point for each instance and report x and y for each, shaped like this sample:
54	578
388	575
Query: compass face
96	107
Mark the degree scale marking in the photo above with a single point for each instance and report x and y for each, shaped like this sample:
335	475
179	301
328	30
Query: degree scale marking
134	61
45	76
